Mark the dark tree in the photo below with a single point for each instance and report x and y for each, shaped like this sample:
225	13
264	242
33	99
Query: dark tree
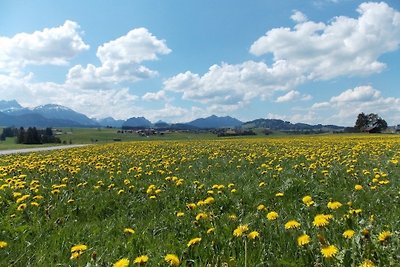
361	122
370	121
21	136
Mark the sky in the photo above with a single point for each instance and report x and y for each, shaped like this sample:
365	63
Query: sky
311	61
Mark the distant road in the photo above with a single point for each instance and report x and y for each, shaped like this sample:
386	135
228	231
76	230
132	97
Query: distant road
36	149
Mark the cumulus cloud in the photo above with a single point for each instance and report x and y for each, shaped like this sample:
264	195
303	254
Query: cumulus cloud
345	106
234	84
53	46
292	96
345	46
160	95
120	61
298	16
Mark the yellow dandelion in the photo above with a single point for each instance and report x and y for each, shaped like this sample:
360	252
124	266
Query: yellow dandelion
34	204
367	263
78	248
261	207
129	231
358	187
329	251
211	230
280	194
303	240
321	220
384	236
21	207
141	259
3	244
240	230
334	205
172	260
308	200
233	217
191	206
194	241
293	224
272	215
122	263
180	214
75	255
348	234
201	216
253	235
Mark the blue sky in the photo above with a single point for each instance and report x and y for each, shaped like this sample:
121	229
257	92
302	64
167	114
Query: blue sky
317	61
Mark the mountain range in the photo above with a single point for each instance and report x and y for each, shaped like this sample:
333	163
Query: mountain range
52	115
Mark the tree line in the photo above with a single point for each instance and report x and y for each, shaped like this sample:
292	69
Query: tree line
30	135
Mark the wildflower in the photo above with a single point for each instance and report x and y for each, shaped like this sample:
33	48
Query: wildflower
211	230
261	207
191	206
209	200
329	251
141	259
129	231
233	217
122	263
384	236
358	187
3	244
172	260
321	220
293	224
253	235
280	194
240	230
194	241
334	205
303	240
308	200
201	216
367	263
180	214
21	207
348	234
272	215
78	248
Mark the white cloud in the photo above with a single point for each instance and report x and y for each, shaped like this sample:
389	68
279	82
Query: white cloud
292	96
53	46
120	61
298	16
345	46
229	85
160	95
347	105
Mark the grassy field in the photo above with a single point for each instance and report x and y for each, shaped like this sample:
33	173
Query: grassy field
286	201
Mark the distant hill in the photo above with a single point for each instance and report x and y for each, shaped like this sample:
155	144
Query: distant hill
109	121
215	122
280	125
9	105
52	111
137	122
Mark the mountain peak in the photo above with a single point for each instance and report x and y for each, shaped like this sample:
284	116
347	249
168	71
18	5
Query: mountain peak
6	105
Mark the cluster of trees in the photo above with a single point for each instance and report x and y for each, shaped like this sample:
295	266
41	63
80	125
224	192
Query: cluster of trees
30	135
371	123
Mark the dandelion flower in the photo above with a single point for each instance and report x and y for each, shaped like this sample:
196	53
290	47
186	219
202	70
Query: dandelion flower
129	231
172	260
194	241
303	240
334	205
3	244
384	236
240	230
21	207
122	263
280	194
78	248
358	187
321	220
348	234
261	207
293	224
367	263
211	230
329	251
141	259
253	235
308	200
272	215
180	214
201	216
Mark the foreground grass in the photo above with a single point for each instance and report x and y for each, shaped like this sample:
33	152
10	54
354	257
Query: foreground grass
205	201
